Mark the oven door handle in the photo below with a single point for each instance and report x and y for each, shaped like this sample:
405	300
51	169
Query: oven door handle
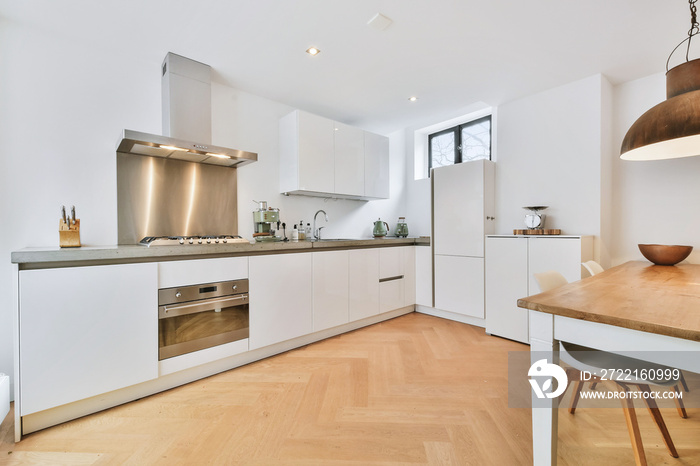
165	312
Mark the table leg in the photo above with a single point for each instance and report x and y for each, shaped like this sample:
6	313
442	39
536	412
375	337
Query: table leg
545	416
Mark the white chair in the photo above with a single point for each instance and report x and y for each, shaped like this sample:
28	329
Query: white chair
593	267
581	358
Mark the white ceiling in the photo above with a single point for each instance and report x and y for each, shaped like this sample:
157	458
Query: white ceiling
450	53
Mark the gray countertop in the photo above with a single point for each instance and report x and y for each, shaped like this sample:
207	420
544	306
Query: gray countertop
30	258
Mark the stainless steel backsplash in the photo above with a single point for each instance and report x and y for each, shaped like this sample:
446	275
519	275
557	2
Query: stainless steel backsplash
158	197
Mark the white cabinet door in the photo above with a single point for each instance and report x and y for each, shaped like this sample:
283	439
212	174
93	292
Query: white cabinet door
506	282
316	161
349	160
560	254
85	331
306	153
459	285
424	276
196	271
376	166
458	209
280	291
390	262
363	267
330	288
391	279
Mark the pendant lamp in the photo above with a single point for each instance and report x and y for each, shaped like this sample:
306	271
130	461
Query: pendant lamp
672	128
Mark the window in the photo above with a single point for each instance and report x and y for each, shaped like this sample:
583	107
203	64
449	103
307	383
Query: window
463	143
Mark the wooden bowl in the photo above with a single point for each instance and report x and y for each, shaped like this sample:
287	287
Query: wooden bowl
661	254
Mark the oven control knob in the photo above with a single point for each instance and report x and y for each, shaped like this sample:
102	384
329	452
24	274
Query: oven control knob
234	287
182	240
224	240
178	294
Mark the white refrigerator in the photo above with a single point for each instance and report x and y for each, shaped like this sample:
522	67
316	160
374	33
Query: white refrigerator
463	213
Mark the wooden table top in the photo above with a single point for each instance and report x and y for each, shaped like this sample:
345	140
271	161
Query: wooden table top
636	295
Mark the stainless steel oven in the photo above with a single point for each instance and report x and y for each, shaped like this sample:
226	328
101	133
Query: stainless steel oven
196	317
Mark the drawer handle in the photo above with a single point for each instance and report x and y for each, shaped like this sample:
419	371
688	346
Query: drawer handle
388	279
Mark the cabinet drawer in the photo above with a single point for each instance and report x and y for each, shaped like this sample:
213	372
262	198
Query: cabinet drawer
196	271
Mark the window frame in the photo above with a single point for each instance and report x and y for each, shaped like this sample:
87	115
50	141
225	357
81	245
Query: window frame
457	131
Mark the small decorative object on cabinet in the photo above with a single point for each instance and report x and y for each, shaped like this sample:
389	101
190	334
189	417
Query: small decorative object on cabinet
380	229
401	228
69	229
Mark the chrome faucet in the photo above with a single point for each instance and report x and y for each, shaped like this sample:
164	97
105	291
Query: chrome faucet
317	232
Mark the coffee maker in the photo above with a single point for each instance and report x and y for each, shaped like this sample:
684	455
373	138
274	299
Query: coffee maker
265	221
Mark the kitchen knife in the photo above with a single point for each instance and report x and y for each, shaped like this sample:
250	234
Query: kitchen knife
63	214
72	215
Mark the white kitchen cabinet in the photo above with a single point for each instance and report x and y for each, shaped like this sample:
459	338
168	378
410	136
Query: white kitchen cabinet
463	212
459	285
196	271
349	151
506	282
424	276
363	279
512	261
84	331
393	272
330	289
408	260
280	293
563	254
376	166
321	157
306	153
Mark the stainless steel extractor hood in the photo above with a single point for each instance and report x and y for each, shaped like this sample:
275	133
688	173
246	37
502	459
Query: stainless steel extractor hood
186	99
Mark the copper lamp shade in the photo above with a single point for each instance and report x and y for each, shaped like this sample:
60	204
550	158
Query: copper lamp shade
671	129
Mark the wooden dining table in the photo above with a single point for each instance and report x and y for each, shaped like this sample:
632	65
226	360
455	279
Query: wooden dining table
636	306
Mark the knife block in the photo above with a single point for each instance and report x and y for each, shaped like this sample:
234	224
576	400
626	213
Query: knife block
69	235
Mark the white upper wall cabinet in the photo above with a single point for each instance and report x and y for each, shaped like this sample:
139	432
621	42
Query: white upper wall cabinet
306	153
376	166
323	158
349	160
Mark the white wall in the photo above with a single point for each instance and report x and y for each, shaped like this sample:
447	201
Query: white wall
549	153
549	150
654	201
62	107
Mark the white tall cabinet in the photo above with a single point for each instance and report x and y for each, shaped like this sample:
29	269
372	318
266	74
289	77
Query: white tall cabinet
511	262
463	212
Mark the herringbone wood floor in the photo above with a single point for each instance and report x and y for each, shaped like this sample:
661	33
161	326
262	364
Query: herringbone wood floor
415	390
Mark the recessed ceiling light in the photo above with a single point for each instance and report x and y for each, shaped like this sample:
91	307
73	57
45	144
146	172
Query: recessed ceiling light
413	98
313	51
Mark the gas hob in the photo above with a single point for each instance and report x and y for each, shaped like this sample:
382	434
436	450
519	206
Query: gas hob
149	241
